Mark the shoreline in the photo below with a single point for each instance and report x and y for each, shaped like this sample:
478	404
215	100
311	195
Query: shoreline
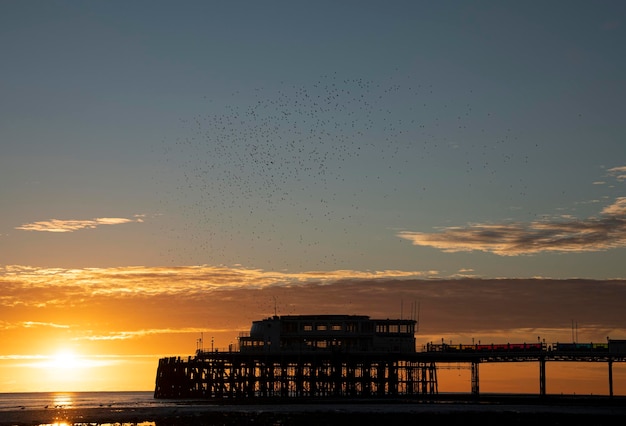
488	409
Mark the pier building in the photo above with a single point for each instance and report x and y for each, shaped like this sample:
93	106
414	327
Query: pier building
329	333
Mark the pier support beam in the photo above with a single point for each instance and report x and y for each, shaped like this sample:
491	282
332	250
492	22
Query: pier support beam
428	379
475	380
542	376
610	377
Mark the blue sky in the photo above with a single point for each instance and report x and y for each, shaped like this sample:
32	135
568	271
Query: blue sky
441	139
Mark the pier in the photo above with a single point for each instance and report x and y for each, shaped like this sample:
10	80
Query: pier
309	375
235	375
474	355
338	357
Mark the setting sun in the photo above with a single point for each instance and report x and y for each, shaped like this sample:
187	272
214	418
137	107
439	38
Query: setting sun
66	370
65	360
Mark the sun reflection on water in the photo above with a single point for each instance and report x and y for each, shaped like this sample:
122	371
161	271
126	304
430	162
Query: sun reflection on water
99	424
63	400
68	400
55	424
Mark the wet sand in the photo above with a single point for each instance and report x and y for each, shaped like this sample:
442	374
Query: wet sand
485	412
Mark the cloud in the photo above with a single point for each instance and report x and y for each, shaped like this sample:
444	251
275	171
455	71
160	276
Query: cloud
22	356
125	335
40	287
5	325
618	208
59	225
166	318
550	235
618	172
30	324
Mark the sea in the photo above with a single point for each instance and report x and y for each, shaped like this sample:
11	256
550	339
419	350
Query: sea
56	402
68	400
55	408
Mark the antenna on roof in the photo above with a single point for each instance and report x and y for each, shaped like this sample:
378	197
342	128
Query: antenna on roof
416	315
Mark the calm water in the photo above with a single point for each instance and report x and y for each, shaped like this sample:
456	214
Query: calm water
51	400
21	404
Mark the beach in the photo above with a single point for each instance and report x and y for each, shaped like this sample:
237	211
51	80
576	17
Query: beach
578	411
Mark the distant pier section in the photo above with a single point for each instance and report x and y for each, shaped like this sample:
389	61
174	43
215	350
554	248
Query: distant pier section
348	356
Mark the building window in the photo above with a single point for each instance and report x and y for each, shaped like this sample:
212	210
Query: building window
322	327
367	327
290	326
307	327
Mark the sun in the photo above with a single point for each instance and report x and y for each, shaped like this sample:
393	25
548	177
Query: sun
65	360
61	371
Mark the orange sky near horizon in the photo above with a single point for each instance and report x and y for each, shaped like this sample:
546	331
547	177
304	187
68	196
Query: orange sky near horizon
105	329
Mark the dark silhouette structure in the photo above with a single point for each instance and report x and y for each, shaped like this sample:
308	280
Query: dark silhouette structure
349	356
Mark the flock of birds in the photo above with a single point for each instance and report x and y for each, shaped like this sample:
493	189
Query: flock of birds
287	170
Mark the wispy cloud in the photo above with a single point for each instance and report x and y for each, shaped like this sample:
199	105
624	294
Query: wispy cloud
71	225
32	286
78	362
6	325
559	234
23	356
563	234
460	309
125	335
618	172
31	324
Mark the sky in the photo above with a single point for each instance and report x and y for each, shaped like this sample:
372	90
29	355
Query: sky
172	171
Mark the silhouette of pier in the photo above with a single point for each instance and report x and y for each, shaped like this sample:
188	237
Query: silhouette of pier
347	357
309	375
